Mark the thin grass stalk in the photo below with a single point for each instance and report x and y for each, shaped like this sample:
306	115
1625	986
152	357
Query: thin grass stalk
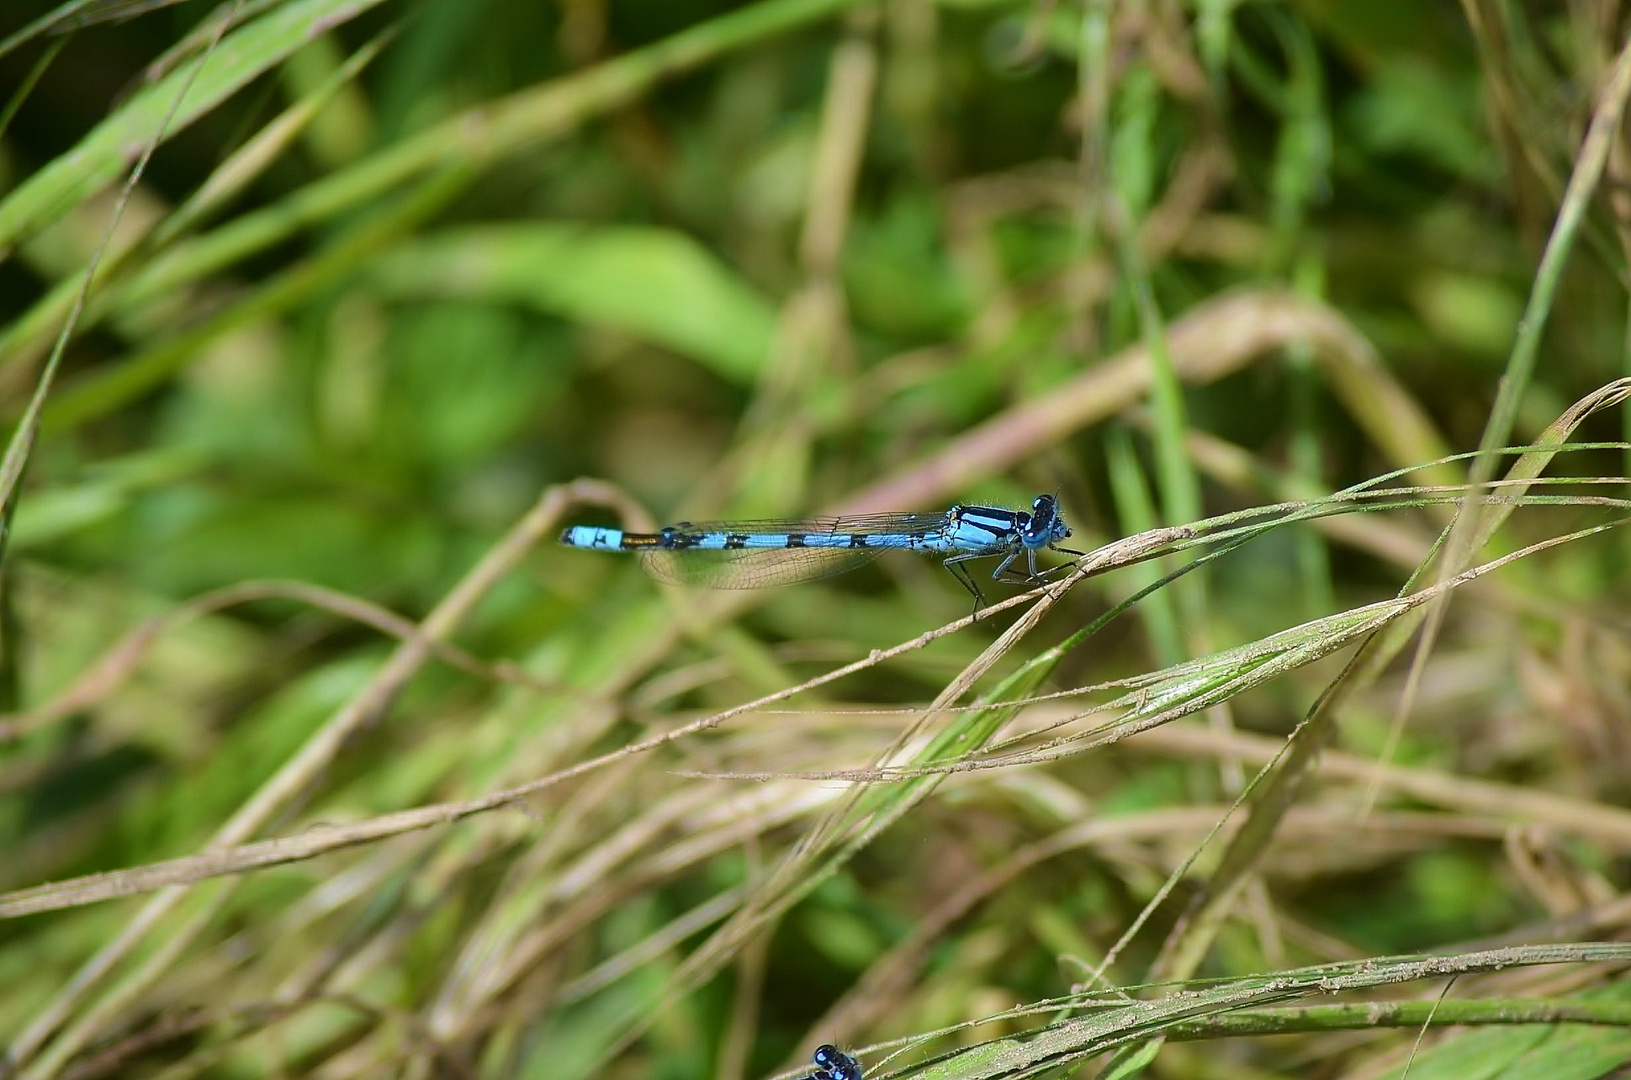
325	838
248	163
298	773
1208	341
1189	942
1308	1019
1487	520
1076	1040
1093	69
107	389
1460	545
122	659
1102	1002
1506	802
1313	558
770	463
1136	512
476	139
28	83
170	105
57	21
1179	485
196	38
20	447
855	822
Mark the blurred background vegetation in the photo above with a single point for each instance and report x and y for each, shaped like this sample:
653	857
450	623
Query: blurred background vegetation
396	268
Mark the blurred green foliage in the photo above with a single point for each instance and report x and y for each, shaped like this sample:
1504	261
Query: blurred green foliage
398	266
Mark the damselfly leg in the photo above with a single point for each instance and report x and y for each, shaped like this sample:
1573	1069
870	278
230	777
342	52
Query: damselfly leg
964	578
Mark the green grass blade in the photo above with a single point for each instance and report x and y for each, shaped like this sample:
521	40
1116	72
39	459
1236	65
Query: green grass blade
478	137
655	284
108	150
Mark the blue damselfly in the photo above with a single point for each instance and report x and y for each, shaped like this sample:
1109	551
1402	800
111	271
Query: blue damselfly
752	554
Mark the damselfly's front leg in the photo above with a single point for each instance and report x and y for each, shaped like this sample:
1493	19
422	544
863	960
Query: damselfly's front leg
1035	576
1031	578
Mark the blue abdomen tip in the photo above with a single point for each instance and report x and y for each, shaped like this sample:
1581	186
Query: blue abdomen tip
589	536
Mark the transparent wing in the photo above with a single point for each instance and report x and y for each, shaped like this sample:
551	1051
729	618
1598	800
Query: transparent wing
867	523
752	568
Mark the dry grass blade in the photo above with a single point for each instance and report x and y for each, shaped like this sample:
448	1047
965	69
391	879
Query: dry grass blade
115	666
1190	942
1076	1040
1207	342
1470	528
227	860
20	448
30	333
168	106
484	136
1610	825
412	268
307	765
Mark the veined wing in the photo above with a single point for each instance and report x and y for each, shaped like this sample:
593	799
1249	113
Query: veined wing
861	523
752	568
758	567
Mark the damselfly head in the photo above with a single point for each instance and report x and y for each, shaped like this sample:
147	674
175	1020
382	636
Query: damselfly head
833	1064
1045	525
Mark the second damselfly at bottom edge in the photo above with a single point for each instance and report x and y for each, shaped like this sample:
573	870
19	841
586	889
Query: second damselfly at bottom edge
755	554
